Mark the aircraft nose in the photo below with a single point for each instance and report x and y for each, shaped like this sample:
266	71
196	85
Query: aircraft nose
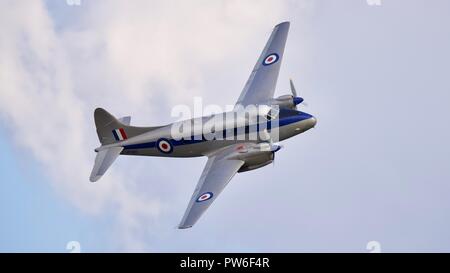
309	119
313	121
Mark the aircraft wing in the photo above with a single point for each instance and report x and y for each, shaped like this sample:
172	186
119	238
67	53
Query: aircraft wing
260	86
217	173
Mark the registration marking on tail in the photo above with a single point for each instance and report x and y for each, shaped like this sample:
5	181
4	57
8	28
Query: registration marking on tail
119	134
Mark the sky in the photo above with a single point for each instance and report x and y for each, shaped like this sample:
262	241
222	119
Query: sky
375	168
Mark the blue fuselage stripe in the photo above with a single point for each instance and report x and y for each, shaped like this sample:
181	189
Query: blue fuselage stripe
197	139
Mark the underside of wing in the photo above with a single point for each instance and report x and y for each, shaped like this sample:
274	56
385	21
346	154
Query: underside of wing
260	86
217	173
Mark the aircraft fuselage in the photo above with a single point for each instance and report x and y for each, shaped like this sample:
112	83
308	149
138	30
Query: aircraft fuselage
161	143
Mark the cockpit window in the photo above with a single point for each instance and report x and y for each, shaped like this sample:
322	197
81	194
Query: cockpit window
273	113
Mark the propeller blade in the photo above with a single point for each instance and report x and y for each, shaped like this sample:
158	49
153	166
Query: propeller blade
294	92
297	100
274	151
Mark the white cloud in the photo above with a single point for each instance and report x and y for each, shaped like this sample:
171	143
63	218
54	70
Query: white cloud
131	57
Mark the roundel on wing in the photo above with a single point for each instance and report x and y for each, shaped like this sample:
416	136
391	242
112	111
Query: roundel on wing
204	196
164	146
271	59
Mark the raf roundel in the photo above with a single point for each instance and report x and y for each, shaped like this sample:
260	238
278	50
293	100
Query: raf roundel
205	196
271	59
164	146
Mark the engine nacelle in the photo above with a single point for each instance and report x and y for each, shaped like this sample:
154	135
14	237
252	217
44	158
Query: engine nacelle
257	161
286	101
255	156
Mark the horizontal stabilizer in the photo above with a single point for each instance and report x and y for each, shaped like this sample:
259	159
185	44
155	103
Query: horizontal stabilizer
103	160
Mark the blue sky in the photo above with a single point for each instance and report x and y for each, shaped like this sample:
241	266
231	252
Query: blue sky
374	168
34	217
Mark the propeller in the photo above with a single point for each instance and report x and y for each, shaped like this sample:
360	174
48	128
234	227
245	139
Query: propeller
274	151
294	92
297	100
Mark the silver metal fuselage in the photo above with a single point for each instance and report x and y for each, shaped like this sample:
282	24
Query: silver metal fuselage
290	123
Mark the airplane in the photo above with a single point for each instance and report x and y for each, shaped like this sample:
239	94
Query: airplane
226	155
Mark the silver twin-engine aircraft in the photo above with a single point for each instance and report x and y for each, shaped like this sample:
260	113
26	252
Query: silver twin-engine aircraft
236	141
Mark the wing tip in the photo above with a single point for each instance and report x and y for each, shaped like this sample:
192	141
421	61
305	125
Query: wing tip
287	23
94	178
184	227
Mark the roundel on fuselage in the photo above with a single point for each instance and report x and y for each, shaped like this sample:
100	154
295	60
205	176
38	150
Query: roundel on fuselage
164	146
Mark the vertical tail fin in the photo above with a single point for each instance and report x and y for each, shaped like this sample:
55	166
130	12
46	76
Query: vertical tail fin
111	130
